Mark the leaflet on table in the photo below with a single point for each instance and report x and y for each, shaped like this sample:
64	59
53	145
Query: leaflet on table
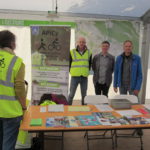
88	120
147	118
108	115
43	109
104	107
106	118
104	121
99	114
50	122
147	106
123	121
60	121
79	108
70	121
57	121
118	121
56	108
143	110
103	114
137	120
128	112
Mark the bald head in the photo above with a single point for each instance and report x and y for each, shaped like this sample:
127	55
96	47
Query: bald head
81	43
81	39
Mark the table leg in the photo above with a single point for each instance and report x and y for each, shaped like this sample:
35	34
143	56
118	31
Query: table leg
41	136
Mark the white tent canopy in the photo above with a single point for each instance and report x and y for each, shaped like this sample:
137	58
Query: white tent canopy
80	10
132	8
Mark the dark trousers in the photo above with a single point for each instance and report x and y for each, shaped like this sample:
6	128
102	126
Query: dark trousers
101	89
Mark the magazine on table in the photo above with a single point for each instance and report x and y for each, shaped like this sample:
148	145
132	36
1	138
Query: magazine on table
56	108
104	107
70	121
88	120
50	122
57	121
61	121
122	121
104	121
143	110
99	114
136	120
108	115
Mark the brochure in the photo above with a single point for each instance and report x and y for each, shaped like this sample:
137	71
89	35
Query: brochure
143	111
130	112
103	107
56	108
79	108
70	121
136	120
88	120
107	115
98	114
50	122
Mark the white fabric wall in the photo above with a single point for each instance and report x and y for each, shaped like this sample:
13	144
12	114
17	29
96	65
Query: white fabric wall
23	50
148	80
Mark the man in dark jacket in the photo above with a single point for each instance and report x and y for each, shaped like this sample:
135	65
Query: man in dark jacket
103	66
128	71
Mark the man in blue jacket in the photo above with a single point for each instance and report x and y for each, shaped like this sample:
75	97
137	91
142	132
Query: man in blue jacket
128	71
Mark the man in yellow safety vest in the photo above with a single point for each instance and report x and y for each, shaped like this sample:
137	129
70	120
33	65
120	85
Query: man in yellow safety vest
80	64
12	91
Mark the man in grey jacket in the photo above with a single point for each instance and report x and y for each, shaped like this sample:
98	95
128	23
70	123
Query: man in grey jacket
103	67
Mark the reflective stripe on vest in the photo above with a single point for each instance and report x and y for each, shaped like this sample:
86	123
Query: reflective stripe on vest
80	60
8	82
10	68
11	98
82	66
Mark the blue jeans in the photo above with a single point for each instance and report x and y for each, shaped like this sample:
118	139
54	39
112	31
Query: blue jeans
83	81
125	89
9	129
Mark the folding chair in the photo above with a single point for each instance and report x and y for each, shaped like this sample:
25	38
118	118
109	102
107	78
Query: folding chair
95	100
137	133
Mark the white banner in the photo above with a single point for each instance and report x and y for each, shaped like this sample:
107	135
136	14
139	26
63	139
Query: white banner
50	46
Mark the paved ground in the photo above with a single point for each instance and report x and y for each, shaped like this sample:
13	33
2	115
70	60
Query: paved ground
76	141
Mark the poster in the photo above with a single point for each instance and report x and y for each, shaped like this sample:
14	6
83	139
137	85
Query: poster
50	46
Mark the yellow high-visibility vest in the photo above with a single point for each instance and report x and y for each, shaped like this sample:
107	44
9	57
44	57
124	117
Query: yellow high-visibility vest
10	107
80	63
